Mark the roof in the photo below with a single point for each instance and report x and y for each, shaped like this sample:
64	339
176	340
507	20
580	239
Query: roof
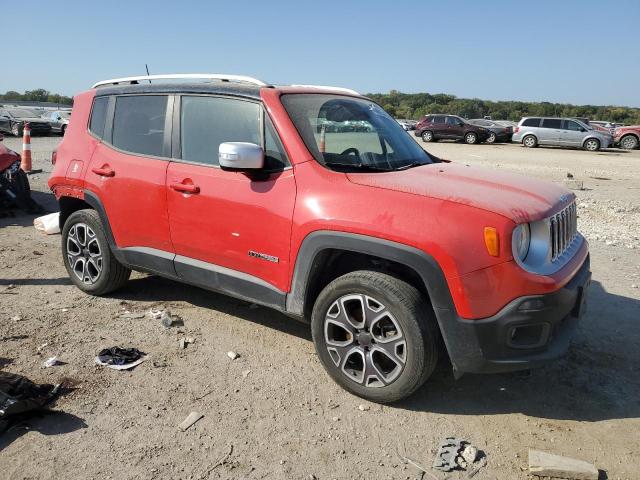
221	88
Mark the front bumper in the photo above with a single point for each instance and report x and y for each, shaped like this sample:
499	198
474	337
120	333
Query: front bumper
526	333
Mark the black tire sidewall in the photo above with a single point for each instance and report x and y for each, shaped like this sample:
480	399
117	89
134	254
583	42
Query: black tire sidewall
419	337
90	217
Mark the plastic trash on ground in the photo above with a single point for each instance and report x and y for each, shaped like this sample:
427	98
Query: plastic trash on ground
49	224
19	395
120	358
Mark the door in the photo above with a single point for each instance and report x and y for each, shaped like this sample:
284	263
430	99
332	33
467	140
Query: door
439	127
128	172
54	120
550	131
230	230
572	134
5	121
455	128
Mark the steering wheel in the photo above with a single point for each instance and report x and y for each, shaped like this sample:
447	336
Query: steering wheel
351	150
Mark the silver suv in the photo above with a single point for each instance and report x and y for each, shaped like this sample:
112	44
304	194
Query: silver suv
562	132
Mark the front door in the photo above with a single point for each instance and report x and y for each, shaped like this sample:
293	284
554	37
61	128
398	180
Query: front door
230	230
454	128
572	134
551	131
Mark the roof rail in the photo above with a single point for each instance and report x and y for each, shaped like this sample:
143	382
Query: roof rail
325	87
184	76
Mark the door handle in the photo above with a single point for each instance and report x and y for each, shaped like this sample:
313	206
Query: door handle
185	187
104	171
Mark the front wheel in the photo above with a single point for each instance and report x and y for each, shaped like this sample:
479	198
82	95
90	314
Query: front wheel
592	145
375	335
471	138
629	142
91	265
491	138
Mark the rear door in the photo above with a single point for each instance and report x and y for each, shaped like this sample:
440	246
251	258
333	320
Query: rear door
128	172
230	230
550	131
439	127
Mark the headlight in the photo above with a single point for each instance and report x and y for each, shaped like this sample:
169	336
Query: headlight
521	241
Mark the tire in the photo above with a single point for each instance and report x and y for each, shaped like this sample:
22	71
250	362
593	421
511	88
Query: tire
427	136
15	130
351	350
470	138
591	145
629	142
491	138
101	272
530	141
63	129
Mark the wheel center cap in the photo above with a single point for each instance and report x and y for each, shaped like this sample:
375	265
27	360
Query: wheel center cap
364	339
85	252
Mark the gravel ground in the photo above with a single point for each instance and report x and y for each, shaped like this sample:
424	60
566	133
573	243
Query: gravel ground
273	412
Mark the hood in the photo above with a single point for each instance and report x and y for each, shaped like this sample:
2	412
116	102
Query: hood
516	197
7	157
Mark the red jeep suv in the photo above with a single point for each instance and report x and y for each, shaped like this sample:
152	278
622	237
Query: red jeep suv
393	255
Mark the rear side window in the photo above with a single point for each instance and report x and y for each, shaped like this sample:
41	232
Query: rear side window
531	122
552	123
138	124
438	119
98	116
206	122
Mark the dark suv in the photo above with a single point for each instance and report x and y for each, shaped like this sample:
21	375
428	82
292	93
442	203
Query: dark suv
450	127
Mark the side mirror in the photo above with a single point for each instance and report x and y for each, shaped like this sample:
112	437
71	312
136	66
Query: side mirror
59	118
582	129
240	156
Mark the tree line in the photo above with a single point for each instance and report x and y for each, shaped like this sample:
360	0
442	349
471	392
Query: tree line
37	95
416	105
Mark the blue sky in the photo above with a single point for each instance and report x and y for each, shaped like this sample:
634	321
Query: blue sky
565	51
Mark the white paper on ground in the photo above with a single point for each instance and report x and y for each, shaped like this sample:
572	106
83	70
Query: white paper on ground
48	224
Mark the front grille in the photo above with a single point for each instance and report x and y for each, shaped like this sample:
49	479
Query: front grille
563	228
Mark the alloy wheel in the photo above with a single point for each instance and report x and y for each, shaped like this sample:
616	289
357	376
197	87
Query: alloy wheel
529	142
364	340
592	145
470	138
84	253
492	138
629	142
427	136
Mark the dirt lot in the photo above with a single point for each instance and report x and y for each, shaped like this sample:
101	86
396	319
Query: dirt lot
273	412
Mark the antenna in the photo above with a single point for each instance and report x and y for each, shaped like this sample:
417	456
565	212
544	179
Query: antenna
147	67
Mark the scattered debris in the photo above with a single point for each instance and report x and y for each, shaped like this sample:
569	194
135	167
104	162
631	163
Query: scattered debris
169	320
470	454
417	465
159	363
449	450
363	408
49	224
38	253
19	395
574	184
192	418
155	314
120	358
50	362
545	464
127	315
482	463
186	341
16	318
245	373
41	347
220	462
233	355
569	175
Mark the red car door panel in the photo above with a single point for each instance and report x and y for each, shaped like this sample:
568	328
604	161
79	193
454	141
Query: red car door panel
229	220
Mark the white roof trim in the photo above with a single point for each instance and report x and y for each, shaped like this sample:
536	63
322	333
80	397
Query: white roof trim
334	89
184	76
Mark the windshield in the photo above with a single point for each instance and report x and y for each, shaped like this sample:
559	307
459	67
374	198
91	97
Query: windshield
19	113
352	133
65	114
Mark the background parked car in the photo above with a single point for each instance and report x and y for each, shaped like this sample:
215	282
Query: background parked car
59	119
12	121
499	133
450	127
407	124
627	137
563	132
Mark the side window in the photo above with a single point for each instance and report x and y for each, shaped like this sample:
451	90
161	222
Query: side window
428	119
438	119
571	125
138	124
551	123
453	121
98	116
275	157
531	122
206	122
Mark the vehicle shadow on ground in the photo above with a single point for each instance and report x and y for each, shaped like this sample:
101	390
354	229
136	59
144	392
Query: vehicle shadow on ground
594	381
161	290
35	281
18	218
46	422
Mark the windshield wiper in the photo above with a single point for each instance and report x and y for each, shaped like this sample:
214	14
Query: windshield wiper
357	166
410	165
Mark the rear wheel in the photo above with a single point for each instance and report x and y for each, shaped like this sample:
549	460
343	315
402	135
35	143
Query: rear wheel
471	138
427	136
530	141
375	335
629	142
491	138
592	145
90	263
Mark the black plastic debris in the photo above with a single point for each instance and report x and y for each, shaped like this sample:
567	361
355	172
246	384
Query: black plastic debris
120	358
19	396
450	448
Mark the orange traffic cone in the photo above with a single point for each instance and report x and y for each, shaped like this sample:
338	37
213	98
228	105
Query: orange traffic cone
25	161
